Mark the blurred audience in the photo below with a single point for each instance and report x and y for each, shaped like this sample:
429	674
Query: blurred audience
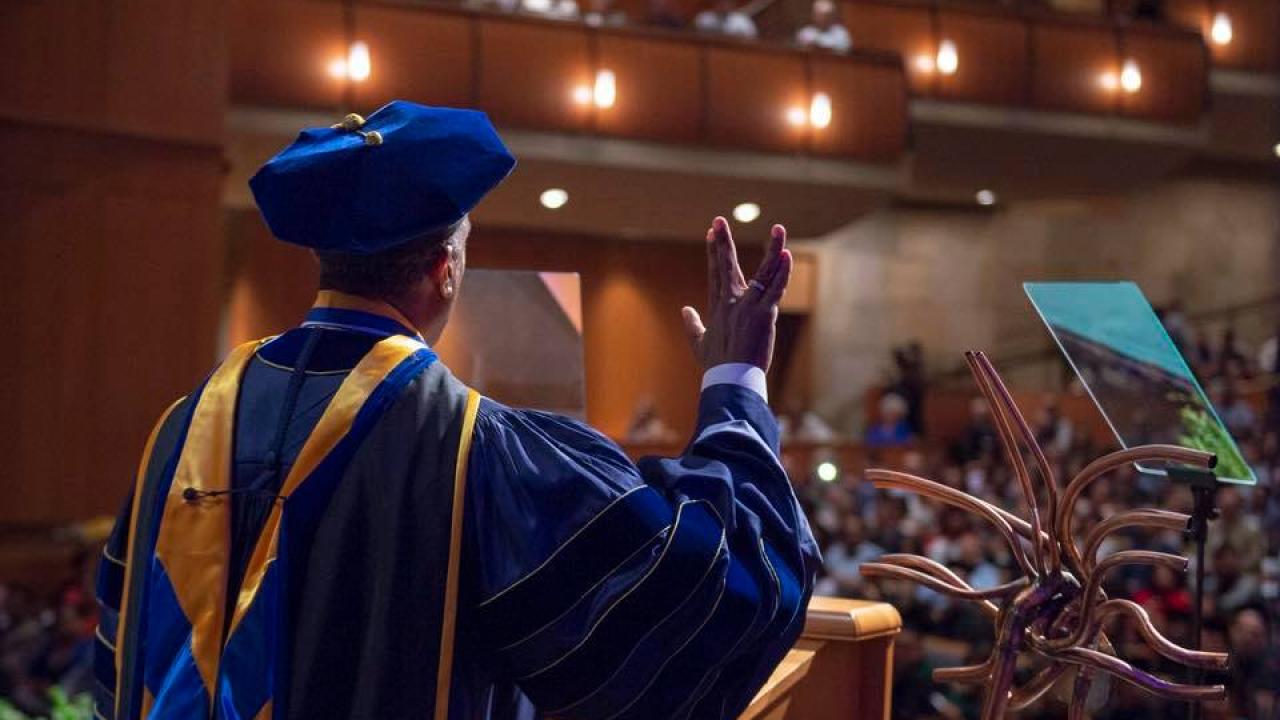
825	30
725	18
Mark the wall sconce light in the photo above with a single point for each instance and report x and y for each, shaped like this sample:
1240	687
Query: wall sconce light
948	59
1220	32
356	66
820	110
603	93
1130	76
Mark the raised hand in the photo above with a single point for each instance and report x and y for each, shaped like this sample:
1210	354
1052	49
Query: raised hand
742	313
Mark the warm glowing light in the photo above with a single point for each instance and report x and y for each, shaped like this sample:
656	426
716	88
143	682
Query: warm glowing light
820	110
582	95
827	471
338	68
1130	76
985	197
1108	81
553	198
746	212
358	63
797	116
948	59
1276	149
605	92
924	63
1220	32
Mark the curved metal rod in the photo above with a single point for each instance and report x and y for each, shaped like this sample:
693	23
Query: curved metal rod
906	481
938	570
875	569
1091	591
1147	517
1036	687
1107	463
1012	452
1157	641
963	673
1080	688
1013	413
1145	681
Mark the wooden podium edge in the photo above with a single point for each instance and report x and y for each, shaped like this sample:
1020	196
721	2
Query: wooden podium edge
831	618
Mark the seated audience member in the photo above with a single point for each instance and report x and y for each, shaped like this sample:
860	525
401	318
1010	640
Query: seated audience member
892	427
661	15
825	30
647	427
725	19
551	9
844	558
602	13
499	5
798	424
1255	666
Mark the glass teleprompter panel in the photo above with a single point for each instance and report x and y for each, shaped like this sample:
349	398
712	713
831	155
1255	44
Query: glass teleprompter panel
1133	371
516	336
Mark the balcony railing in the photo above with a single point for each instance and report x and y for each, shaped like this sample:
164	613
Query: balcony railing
570	78
1041	61
684	88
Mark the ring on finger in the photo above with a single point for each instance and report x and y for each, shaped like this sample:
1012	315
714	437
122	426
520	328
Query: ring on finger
756	284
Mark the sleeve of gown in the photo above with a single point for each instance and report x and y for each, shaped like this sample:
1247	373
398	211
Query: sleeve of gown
610	590
109	587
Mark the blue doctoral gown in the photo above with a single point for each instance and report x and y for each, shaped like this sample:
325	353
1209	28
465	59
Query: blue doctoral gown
591	587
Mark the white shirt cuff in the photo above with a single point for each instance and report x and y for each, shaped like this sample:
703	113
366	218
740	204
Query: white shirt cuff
743	374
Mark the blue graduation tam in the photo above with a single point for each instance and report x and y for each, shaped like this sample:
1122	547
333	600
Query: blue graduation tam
362	186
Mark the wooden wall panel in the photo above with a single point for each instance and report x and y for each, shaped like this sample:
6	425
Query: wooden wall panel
749	93
87	65
109	267
281	50
659	85
528	72
904	30
1069	63
875	131
1174	77
994	59
434	57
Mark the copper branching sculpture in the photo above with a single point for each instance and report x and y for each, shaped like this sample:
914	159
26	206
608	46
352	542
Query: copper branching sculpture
1056	610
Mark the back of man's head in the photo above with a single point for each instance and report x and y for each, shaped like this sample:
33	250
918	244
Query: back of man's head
388	274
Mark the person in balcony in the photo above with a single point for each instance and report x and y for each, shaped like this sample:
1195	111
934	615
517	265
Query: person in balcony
825	30
551	9
662	15
725	18
602	13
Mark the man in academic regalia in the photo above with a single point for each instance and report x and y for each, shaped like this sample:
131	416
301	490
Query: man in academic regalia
332	526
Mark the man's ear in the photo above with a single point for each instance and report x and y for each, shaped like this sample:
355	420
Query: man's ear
447	273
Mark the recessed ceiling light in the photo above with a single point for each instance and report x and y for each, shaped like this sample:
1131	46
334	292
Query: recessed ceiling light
827	471
985	197
553	198
746	212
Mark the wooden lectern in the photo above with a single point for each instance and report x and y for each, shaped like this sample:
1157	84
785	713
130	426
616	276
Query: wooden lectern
842	666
